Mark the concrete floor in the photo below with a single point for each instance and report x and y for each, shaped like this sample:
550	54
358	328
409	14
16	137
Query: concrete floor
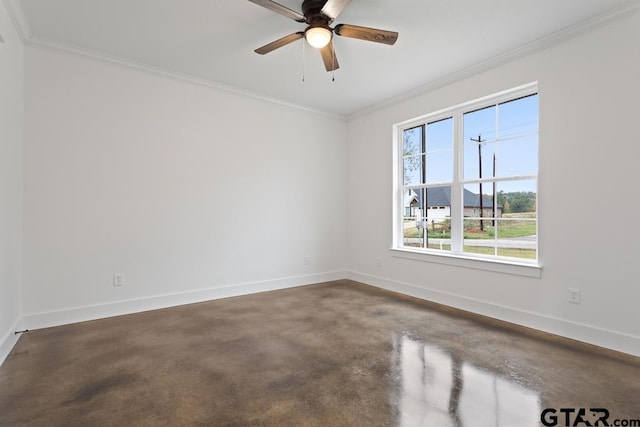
333	354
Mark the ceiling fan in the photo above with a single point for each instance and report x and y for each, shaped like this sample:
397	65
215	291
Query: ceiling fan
319	15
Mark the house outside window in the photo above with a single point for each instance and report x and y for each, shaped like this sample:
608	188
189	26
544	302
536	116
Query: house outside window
466	180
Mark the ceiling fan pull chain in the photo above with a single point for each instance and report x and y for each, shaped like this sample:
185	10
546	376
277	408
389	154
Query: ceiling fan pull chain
333	58
303	61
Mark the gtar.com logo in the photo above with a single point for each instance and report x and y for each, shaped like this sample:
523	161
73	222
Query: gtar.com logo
591	417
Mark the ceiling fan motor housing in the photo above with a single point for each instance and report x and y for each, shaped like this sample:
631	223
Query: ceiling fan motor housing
312	11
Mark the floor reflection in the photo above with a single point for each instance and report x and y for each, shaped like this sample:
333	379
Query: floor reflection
438	389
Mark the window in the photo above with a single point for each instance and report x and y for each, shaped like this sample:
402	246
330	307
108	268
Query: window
466	180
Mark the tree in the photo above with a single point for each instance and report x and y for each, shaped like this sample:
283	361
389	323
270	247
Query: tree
517	202
521	201
502	199
506	206
411	147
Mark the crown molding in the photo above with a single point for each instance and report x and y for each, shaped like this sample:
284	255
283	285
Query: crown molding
16	13
37	42
26	35
631	6
22	27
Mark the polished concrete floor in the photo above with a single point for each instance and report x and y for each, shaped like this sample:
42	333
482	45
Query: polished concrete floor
334	354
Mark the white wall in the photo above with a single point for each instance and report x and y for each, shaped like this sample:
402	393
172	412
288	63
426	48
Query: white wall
190	192
11	115
589	96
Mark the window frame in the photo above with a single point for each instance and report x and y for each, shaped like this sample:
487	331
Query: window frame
456	256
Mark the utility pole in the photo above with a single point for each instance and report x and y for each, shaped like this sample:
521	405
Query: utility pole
480	141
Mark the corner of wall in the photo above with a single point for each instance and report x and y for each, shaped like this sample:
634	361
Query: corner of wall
16	13
9	340
11	163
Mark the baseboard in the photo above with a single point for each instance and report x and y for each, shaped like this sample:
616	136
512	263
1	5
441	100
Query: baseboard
101	311
9	340
612	340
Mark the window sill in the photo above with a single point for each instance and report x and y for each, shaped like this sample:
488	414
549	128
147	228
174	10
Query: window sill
496	266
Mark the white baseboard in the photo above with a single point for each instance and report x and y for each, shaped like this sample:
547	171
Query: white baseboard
100	311
9	340
613	340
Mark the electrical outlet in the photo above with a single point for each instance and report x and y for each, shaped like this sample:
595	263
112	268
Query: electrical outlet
574	296
307	260
378	262
118	280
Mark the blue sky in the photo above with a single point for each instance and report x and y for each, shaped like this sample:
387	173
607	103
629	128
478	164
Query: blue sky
508	130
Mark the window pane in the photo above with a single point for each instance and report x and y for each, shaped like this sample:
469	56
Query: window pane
413	169
411	236
438	234
415	234
479	207
439	147
412	141
516	237
413	217
479	223
427	218
480	123
518	156
517	197
440	135
518	116
438	199
471	163
412	202
440	167
438	218
476	154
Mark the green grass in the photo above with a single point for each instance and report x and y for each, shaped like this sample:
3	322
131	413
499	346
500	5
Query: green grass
509	229
414	232
506	230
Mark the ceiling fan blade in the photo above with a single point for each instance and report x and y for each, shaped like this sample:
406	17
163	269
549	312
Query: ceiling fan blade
329	57
278	8
333	8
365	33
279	43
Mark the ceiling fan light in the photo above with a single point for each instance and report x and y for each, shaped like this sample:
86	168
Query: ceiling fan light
318	37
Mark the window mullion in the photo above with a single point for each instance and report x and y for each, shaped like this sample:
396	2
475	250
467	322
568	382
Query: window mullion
456	187
424	181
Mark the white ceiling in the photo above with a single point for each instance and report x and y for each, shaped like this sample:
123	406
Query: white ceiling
214	40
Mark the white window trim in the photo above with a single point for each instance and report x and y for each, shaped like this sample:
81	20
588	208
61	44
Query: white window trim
455	257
